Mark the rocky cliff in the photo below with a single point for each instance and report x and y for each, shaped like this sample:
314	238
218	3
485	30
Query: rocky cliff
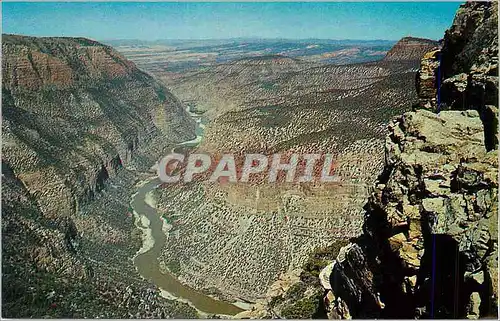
429	246
74	111
74	114
463	74
409	48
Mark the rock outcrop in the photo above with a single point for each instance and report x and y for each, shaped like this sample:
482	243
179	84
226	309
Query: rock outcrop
463	74
409	48
429	244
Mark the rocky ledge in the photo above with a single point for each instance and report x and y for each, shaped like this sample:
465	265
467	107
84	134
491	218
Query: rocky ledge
430	236
429	244
463	74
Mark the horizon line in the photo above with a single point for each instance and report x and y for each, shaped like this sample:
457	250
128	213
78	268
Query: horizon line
221	39
236	1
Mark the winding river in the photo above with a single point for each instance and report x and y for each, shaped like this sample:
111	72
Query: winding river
147	262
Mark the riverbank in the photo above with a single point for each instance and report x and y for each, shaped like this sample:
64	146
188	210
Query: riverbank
154	235
148	266
96	279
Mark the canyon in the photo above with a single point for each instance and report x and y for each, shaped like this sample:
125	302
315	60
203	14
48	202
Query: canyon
224	234
408	230
79	124
429	246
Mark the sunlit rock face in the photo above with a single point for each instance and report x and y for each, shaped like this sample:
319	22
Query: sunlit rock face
463	74
409	48
429	247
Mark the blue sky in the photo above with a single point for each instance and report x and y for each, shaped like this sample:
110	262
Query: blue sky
222	20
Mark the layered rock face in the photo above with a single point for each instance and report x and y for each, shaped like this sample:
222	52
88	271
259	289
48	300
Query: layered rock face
74	112
429	247
409	48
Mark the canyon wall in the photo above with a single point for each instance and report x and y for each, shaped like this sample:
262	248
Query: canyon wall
74	111
75	116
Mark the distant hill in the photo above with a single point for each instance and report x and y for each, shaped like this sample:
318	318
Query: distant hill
178	56
410	48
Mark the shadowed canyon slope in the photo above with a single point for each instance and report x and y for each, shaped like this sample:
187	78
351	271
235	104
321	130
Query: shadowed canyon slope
76	116
74	111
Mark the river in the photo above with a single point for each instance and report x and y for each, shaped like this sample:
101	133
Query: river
146	261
